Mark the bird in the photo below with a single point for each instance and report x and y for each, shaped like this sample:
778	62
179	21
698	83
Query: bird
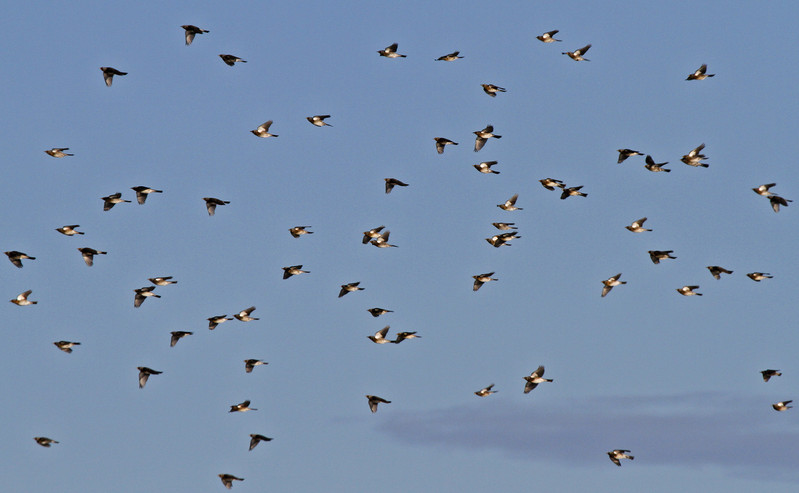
318	120
231	59
298	231
625	153
191	31
144	374
392	182
66	346
764	189
451	57
401	336
241	407
694	158
759	276
441	142
578	54
481	279
374	401
485	167
212	202
700	73
109	73
162	281
380	336
716	271
255	439
610	283
244	315
142	294
492	90
502	239
112	200
69	230
510	204
372	234
89	253
570	191
349	288
767	374
551	183
504	226
376	312
658	255
777	201
688	291
486	391
16	257
214	321
58	152
227	480
390	52
263	130
483	135
616	455
547	37
22	299
44	441
381	241
293	271
782	406
249	364
534	379
142	192
178	335
654	167
638	226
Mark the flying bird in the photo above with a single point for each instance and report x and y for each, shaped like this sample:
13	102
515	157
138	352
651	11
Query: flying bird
89	253
688	291
759	276
401	336
764	189
22	299
374	401
240	408
610	283
392	182
638	226
502	239
483	136
293	270
231	59
547	37
298	231
492	90
616	455
227	480
654	167
694	158
485	167
572	191
212	202
625	153
58	152
263	130
249	364
244	315
16	257
349	288
162	281
44	441
700	73
142	294
504	226
112	200
142	192
372	234
66	346
178	335
376	312
481	279
69	230
782	406
255	439
534	379
485	391
381	241
777	201
551	183
441	142
214	321
109	73
658	255
578	54
144	374
767	374
716	271
390	52
318	120
191	31
451	57
380	336
510	204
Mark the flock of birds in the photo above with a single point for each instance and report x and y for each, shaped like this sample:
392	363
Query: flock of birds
379	237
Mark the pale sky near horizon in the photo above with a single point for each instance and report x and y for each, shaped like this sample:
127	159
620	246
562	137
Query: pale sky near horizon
674	379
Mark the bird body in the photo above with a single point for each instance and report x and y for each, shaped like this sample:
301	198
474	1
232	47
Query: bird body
759	276
178	335
66	346
58	152
551	183
510	204
689	291
616	455
451	57
376	312
112	200
625	153
16	257
191	31
142	192
69	230
716	271
767	374
263	130
393	182
144	374
89	253
401	336
255	439
349	288
483	136
654	167
638	226
298	231
700	73
241	407
441	142
214	321
764	189
372	234
142	294
610	283
486	391
44	441
694	158
481	279
777	201
658	255
534	379
244	315
227	480
212	202
374	401
109	73
492	90
390	52
293	270
485	167
249	364
547	37
577	55
572	191
318	120
22	299
231	59
162	281
380	336
782	406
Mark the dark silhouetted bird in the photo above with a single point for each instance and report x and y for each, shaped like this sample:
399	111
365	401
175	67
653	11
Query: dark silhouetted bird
390	52
658	255
578	54
492	90
241	407
214	321
349	288
178	335
759	276
58	152
69	230
231	59
625	153
767	374
777	201
504	226
401	336
485	391
16	257
244	315
393	182
142	192
89	253
251	363
44	441
142	294
191	31
441	142
255	439
694	158
144	374
109	73
618	454
451	57
654	167
374	401
212	202
572	191
318	120
112	200
481	279
376	312
716	271
298	231
700	73
227	480
293	270
66	346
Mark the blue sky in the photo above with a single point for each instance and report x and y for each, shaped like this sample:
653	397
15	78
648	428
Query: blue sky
674	379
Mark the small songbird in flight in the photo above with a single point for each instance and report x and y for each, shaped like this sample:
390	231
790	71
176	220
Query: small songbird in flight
534	379
374	401
109	73
390	52
162	281
694	158
214	321
380	336
578	54
638	226
231	59
298	231
112	200
376	312
759	276
625	153
610	283
451	57
69	230
392	182
764	189
22	299
142	192
142	294
349	288
483	136
504	226
616	455
485	391
767	374
144	374
318	120
441	142
571	191
688	291
251	363
547	37
89	253
191	31
485	167
654	167
178	335
66	346
401	336
263	130
658	255
255	439
242	407
372	234
510	204
244	315
58	152
716	271
551	183
492	90
777	201
782	406
700	73
212	202
44	441
481	279
293	270
227	480
16	257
